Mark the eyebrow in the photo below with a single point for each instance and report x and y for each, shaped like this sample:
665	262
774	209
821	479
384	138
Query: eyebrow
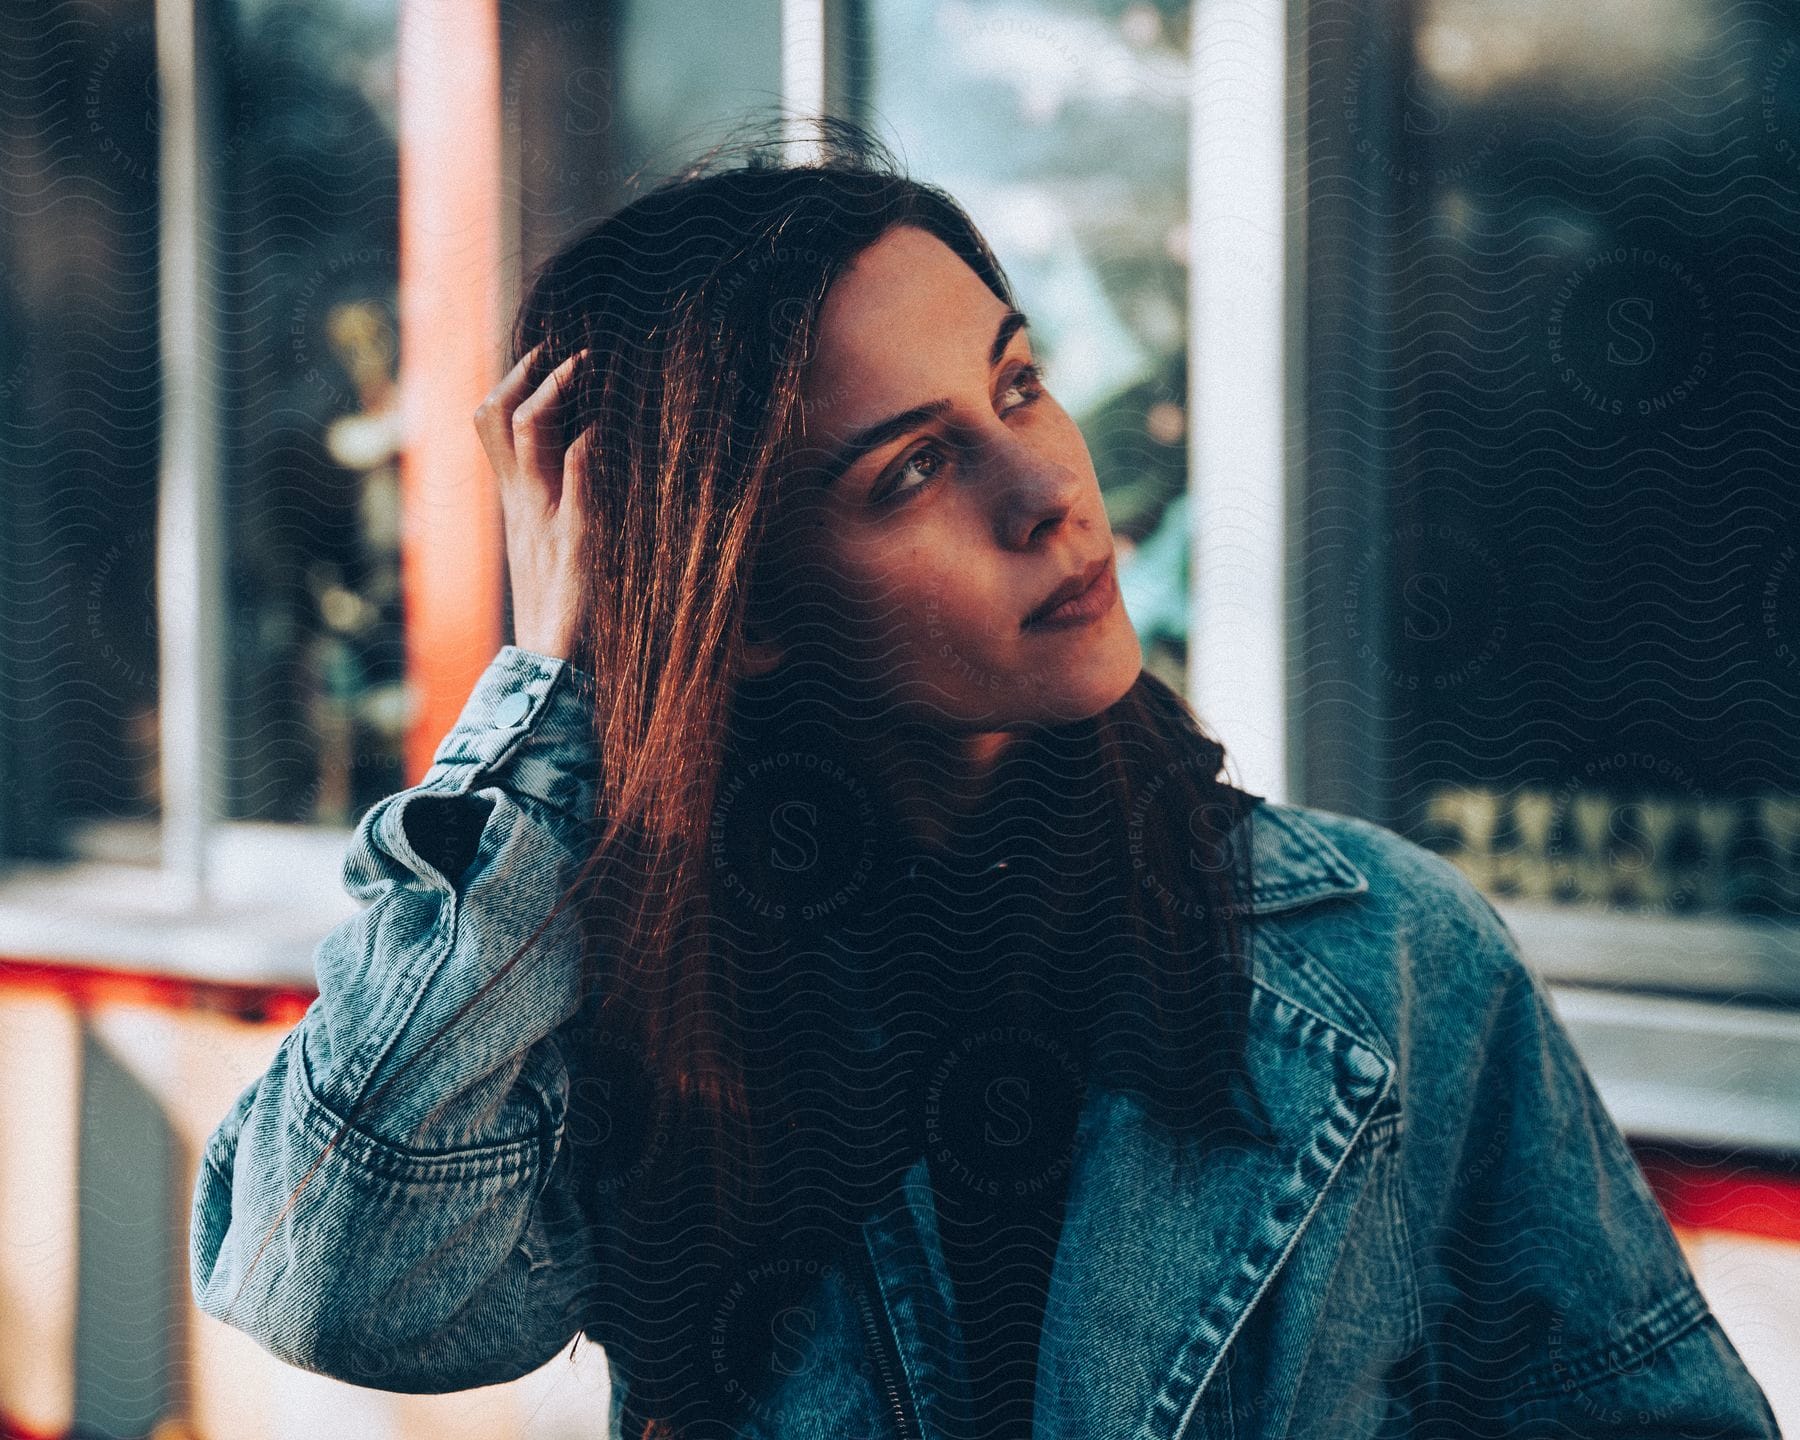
874	436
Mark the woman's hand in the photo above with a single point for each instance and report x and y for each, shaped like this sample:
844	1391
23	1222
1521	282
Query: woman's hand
540	497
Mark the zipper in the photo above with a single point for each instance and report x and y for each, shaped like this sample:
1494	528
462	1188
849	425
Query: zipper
887	1351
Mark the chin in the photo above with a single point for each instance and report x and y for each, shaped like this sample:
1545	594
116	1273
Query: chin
1100	687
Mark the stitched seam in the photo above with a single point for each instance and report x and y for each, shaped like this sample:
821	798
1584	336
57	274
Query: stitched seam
1665	1321
1272	901
1334	858
517	684
387	1160
1280	890
1377	1046
1402	1242
218	1170
887	1311
1286	999
1380	1136
1380	1125
569	828
1335	865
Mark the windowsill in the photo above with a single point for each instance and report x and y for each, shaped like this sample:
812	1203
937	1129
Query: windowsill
1698	1072
1743	960
1690	1025
277	891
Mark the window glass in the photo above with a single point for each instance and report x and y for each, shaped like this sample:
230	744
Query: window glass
78	423
305	190
309	217
600	98
1552	543
687	70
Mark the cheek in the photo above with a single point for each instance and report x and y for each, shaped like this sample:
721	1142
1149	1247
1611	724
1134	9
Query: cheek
924	602
950	609
945	590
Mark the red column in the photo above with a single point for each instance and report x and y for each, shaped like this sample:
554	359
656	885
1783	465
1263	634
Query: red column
451	548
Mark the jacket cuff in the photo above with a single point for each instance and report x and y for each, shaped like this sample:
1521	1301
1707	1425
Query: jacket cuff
527	726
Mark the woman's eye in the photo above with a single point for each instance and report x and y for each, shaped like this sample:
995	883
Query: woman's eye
1027	383
898	492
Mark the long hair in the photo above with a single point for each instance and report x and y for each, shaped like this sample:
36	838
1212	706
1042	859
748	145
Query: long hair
724	972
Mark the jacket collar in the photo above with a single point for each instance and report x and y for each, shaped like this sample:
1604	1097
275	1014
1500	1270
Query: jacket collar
1293	864
1155	1276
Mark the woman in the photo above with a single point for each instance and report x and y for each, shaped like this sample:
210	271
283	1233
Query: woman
912	1034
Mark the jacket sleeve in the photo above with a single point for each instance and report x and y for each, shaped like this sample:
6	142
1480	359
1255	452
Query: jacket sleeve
1566	1306
437	1246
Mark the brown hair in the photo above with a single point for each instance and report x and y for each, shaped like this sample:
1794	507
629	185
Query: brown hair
697	304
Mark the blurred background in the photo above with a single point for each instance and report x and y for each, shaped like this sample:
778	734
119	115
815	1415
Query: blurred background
1434	356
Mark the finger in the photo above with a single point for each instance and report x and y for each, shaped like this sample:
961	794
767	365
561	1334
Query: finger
574	473
494	416
537	427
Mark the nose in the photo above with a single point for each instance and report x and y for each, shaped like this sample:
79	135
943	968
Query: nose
1037	493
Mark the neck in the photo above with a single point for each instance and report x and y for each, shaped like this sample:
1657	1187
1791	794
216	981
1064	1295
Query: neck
939	781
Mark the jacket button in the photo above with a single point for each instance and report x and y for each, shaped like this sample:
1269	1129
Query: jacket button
512	710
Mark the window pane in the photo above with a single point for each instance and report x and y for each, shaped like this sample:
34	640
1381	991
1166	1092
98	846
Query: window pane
1552	548
308	214
78	422
590	96
1062	127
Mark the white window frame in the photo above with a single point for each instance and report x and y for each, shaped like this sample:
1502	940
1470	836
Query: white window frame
190	590
1240	256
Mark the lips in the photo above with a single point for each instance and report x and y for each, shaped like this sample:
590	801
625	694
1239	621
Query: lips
1078	583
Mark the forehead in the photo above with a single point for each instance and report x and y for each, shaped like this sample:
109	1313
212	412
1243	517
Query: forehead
908	308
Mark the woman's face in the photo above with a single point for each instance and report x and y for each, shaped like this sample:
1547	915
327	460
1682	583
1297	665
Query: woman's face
942	532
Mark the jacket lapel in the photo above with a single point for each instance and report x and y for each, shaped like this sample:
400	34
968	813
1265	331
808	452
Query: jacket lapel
1167	1242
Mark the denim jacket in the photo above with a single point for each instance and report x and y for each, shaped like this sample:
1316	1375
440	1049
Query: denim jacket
1444	1235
